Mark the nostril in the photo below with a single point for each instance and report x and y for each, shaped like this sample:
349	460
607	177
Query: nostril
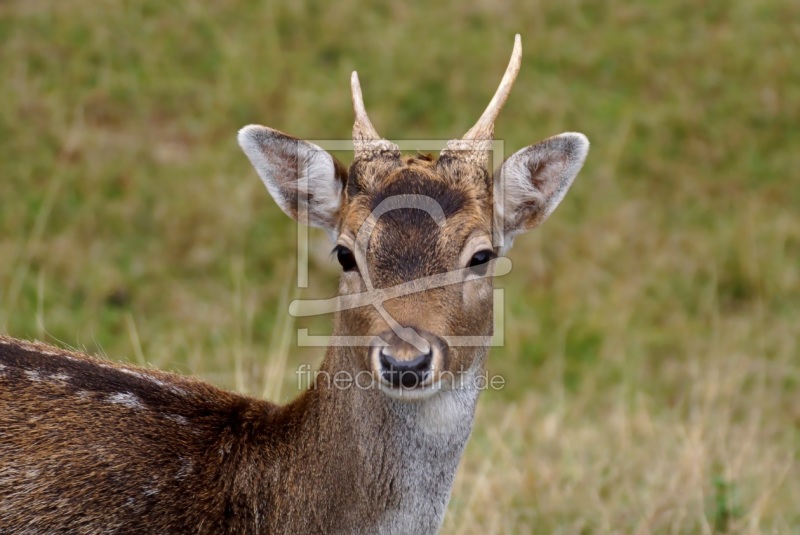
423	362
420	363
386	359
408	373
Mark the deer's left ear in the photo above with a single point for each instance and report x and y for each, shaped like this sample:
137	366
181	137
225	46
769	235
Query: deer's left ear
530	184
304	179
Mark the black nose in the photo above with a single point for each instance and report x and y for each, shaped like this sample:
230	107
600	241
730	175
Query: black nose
408	373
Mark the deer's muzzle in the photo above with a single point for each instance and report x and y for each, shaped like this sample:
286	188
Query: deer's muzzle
408	359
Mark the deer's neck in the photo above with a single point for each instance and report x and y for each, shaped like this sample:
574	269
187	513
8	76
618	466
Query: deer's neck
378	464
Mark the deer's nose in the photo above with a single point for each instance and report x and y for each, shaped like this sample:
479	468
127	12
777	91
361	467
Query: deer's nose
408	358
404	372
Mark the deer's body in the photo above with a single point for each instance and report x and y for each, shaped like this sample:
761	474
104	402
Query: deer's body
102	447
88	446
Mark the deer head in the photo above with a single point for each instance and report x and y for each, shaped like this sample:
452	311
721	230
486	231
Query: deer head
418	236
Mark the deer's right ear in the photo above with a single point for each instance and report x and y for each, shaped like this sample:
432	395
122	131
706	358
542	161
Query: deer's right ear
304	179
531	183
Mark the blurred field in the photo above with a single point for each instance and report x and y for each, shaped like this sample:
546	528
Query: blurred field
652	352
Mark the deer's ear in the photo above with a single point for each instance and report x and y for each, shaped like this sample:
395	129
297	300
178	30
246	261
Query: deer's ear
304	179
530	184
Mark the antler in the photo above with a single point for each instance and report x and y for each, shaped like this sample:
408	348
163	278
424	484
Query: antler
478	139
366	141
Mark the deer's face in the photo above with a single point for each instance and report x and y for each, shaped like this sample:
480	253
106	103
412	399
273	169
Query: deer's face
417	234
417	237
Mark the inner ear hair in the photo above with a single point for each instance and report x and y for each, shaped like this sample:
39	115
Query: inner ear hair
532	182
305	181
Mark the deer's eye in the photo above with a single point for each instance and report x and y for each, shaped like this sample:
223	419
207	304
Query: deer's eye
346	258
481	257
479	261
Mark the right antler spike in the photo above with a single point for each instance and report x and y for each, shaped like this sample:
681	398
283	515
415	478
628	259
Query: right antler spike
477	140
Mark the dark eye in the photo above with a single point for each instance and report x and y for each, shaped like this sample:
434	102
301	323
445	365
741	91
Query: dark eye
346	258
478	262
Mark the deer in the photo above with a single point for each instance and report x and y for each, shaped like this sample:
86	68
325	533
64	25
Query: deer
90	446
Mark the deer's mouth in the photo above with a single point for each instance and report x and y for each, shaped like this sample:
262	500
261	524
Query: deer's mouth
422	390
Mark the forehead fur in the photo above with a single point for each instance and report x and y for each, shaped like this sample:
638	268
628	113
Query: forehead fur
367	176
463	191
407	242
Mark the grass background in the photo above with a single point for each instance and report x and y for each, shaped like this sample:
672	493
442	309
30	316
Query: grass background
651	324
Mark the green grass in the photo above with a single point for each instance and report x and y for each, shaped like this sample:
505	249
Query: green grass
651	354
